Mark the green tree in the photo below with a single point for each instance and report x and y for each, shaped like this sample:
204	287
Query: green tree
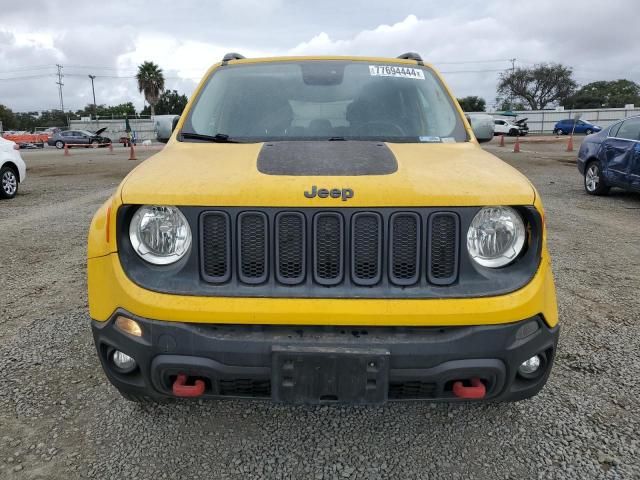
170	102
603	94
472	104
28	121
506	105
7	117
539	86
52	118
108	111
150	83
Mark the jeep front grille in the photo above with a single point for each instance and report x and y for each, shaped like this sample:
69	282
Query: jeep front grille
327	249
216	257
366	248
252	248
290	248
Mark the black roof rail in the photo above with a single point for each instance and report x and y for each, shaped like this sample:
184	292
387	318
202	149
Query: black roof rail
231	56
411	56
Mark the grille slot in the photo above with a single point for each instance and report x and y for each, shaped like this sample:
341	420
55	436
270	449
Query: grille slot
442	252
290	248
328	231
241	387
252	247
412	390
215	247
404	248
366	248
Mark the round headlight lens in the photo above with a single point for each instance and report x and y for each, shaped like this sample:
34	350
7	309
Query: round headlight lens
496	236
160	234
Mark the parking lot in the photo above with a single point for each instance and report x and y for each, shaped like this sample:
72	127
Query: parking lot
59	417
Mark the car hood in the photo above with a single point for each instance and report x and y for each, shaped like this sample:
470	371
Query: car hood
100	131
434	174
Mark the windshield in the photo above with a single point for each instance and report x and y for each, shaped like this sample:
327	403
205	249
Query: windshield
324	100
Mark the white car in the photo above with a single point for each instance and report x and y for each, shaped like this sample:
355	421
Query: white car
13	170
505	127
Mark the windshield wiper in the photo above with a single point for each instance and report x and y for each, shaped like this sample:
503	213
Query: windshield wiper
217	138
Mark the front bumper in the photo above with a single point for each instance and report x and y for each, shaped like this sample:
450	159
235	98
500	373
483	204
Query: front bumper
329	364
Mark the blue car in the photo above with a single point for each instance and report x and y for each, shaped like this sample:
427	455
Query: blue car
611	158
565	127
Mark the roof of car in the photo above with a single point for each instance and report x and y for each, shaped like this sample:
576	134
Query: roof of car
405	61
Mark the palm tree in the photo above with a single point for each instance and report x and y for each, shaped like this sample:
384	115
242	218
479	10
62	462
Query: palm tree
150	83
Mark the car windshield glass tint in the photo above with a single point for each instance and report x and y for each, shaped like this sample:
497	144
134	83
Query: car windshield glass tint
325	100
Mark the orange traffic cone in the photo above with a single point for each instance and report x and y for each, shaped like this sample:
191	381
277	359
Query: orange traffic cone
66	150
516	146
132	152
570	144
502	140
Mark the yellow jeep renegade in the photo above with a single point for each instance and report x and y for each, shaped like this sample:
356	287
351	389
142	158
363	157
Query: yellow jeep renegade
320	230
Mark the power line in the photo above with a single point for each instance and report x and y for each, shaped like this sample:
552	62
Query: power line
460	62
473	71
25	77
23	69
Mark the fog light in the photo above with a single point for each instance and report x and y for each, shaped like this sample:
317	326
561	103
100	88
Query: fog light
129	326
530	366
123	361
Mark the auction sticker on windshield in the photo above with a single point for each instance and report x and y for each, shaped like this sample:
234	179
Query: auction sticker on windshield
395	71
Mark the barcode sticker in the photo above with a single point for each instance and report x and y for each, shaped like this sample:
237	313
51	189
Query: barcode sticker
395	71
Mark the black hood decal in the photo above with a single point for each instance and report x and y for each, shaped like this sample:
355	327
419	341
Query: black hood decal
333	158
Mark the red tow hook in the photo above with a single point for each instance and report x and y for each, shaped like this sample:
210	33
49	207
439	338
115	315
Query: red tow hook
181	389
475	391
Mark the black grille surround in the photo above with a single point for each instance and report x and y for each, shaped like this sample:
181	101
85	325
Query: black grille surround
361	252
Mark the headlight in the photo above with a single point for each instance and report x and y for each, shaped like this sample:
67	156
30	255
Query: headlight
159	234
496	236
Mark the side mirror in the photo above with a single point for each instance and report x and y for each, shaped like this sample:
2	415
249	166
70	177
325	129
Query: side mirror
174	123
483	126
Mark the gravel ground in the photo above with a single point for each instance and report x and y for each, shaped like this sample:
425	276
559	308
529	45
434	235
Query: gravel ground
60	419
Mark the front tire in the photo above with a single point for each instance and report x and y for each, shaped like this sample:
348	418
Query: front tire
8	183
594	183
559	131
59	144
513	132
588	131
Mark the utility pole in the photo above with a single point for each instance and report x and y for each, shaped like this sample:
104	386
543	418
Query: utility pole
513	70
95	107
60	84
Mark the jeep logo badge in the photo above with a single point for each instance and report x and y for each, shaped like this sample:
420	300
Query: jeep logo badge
345	193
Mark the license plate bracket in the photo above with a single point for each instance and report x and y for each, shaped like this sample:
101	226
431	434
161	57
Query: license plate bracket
322	375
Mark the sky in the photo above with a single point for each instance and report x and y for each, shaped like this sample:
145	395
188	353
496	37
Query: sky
470	42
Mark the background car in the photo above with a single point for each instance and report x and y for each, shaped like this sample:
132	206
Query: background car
505	127
522	125
78	137
565	127
612	158
13	170
483	126
164	126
